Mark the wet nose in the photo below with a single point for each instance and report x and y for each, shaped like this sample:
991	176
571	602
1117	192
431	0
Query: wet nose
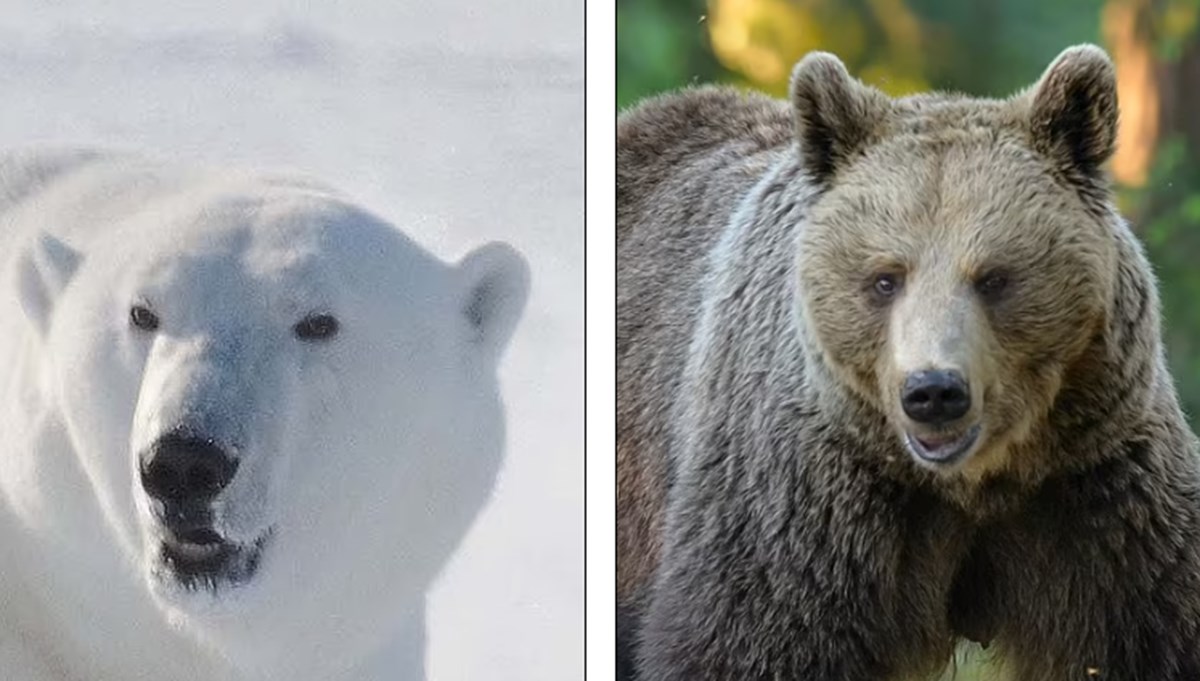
935	397
183	469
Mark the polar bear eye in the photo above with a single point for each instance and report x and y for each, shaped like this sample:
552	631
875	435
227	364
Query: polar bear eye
316	327
141	317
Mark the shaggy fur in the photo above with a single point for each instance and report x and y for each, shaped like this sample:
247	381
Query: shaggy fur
772	524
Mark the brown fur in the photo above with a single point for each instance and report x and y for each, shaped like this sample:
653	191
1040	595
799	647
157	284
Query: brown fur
714	137
771	523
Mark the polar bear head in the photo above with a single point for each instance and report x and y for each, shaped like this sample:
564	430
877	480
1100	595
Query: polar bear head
287	410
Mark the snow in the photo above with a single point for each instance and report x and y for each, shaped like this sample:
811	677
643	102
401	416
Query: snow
466	115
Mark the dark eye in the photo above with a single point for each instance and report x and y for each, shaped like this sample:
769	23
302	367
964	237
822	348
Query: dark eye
992	285
886	285
316	327
141	317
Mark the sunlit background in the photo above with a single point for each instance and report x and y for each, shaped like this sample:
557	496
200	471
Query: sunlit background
981	47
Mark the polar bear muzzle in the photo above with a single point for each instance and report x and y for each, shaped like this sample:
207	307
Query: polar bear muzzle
183	474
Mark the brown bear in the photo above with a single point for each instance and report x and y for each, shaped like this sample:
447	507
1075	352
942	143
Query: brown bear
890	378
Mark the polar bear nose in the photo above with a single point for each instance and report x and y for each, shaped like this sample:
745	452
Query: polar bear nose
186	469
935	397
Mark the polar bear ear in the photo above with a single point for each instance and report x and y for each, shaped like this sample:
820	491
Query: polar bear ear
494	285
43	270
836	115
1073	111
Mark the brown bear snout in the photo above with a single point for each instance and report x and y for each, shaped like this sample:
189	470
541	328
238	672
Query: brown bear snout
935	397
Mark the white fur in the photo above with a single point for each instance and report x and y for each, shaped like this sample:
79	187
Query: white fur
364	458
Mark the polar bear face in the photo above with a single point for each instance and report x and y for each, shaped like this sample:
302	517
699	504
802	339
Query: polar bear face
286	409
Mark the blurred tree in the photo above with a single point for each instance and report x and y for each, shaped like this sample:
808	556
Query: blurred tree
760	40
1128	33
1166	208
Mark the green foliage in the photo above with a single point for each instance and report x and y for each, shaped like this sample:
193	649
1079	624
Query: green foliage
995	48
1175	25
661	46
1171	234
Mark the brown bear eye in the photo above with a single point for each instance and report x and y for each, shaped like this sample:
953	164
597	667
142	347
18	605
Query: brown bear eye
141	317
316	327
886	285
992	285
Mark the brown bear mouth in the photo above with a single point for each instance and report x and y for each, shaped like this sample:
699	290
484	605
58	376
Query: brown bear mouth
942	450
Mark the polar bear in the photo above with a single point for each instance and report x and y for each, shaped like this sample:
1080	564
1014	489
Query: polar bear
243	422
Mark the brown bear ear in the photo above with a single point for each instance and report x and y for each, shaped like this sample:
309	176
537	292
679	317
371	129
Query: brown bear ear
1073	113
836	115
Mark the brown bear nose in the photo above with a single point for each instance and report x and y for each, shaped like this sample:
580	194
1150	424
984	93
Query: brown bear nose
935	397
186	469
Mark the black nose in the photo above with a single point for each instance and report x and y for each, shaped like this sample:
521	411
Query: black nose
935	397
186	469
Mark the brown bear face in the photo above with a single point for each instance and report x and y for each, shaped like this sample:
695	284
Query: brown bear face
959	258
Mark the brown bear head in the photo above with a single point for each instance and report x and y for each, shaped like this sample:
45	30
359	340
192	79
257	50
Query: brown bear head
961	252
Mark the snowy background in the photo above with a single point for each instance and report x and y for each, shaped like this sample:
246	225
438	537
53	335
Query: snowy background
468	114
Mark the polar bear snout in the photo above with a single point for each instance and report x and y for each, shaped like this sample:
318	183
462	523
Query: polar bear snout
182	469
183	476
